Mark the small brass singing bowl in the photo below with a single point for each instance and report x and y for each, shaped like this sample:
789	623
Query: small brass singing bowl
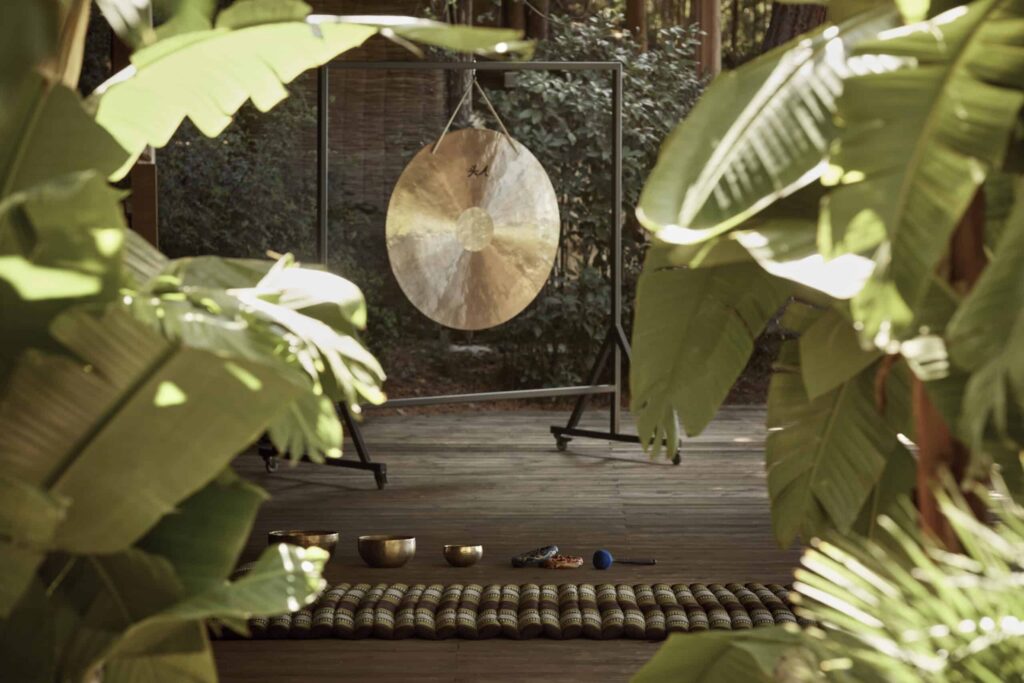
317	538
463	555
386	552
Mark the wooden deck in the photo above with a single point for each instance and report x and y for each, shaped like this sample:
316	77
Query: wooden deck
496	479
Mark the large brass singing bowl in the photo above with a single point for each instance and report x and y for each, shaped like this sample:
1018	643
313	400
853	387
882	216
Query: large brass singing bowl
463	555
386	552
328	540
472	229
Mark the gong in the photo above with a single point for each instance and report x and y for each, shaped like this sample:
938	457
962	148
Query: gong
472	229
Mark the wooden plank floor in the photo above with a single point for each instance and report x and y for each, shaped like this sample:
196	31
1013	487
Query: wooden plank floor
496	479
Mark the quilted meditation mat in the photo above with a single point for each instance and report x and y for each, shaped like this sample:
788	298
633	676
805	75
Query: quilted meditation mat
523	611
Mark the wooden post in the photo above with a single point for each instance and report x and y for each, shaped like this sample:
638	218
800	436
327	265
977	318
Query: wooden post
709	19
537	19
513	14
141	206
636	21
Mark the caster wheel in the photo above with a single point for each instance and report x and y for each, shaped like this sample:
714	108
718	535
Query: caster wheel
270	464
677	458
381	478
561	444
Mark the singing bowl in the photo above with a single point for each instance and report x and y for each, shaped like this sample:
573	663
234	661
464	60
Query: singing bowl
386	552
463	555
319	538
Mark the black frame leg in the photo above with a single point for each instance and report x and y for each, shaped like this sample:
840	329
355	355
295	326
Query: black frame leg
266	450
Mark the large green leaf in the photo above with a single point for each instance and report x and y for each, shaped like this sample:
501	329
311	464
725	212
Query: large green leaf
182	655
824	455
59	245
28	521
77	428
27	36
788	248
830	353
257	50
282	580
723	657
99	597
129	608
759	133
301	322
692	336
986	338
28	647
49	134
916	145
204	536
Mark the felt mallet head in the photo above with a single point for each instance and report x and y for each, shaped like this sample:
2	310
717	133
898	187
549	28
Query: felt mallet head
603	559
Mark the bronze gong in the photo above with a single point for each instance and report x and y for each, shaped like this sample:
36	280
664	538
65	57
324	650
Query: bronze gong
472	229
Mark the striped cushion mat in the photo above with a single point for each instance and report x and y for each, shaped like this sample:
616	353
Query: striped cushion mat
522	611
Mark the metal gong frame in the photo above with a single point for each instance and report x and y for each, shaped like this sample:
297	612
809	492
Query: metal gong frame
615	345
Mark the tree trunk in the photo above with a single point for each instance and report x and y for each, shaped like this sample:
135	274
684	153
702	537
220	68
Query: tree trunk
636	21
938	449
735	25
709	19
537	19
513	14
789	21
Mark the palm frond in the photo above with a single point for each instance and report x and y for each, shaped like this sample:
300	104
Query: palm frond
903	609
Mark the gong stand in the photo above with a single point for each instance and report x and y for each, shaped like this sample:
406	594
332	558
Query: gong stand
615	345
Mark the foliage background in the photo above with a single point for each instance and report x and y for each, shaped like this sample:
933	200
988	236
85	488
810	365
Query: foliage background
253	189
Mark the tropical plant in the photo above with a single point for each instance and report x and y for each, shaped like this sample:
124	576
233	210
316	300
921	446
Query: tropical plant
899	608
796	200
864	174
128	382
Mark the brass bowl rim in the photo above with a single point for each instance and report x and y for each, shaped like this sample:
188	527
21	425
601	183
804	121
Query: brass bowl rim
302	532
454	546
385	538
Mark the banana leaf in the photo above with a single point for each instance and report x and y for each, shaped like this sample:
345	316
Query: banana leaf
758	134
47	133
66	421
259	47
986	339
693	334
917	144
824	455
723	657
